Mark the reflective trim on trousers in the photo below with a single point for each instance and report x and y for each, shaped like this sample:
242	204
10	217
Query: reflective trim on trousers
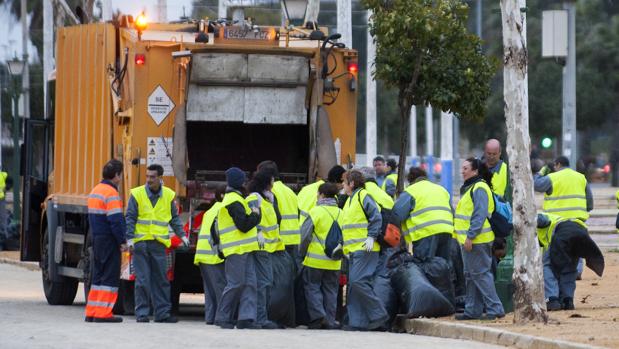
103	288
100	304
237	243
565	197
427	209
319	256
427	224
354	226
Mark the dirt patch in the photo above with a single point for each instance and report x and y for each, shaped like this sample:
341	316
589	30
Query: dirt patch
595	320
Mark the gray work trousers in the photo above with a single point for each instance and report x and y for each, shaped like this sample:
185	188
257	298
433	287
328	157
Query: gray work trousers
240	291
433	246
321	287
4	234
562	286
151	283
364	308
214	281
480	289
264	283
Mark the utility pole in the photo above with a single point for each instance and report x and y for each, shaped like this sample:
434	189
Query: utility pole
48	48
429	143
447	151
26	73
370	99
569	144
344	21
413	136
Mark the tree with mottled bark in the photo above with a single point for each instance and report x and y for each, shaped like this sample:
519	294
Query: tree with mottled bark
529	305
424	49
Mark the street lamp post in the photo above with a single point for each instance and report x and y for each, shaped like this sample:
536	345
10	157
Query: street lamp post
16	67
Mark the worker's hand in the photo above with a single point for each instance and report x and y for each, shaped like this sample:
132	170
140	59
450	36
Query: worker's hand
261	240
255	210
368	245
130	245
185	241
544	171
468	245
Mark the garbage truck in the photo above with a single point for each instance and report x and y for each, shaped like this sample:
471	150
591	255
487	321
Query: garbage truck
195	97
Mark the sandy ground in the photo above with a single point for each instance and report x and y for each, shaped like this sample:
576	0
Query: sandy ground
595	320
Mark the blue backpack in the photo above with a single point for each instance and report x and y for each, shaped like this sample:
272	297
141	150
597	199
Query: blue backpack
501	218
334	243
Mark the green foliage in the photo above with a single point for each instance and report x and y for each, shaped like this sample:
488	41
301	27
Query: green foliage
425	51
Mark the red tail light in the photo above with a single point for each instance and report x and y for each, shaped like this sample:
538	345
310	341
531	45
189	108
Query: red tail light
140	59
353	67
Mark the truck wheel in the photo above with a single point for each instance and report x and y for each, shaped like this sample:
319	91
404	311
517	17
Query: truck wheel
125	303
56	293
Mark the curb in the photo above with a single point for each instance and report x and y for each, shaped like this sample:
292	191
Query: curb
26	265
443	329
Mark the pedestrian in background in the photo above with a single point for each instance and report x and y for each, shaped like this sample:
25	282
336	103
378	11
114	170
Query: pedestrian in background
151	209
498	168
236	225
107	226
361	225
308	195
209	261
391	179
474	233
321	273
4	235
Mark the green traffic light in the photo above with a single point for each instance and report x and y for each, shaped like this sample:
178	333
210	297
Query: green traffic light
546	142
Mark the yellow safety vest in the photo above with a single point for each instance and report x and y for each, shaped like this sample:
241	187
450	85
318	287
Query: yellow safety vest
355	223
3	176
322	217
268	225
432	212
204	251
381	197
499	180
393	177
152	222
231	239
307	198
544	235
568	197
464	212
289	210
617	198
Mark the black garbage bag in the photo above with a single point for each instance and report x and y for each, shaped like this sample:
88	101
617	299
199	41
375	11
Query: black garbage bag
386	294
417	296
282	304
455	255
439	273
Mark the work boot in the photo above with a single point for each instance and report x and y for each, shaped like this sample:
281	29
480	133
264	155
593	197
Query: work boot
225	325
247	325
107	319
553	304
269	325
142	319
568	303
315	325
462	316
331	326
169	320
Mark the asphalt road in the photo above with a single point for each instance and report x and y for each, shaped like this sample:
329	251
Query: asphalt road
27	321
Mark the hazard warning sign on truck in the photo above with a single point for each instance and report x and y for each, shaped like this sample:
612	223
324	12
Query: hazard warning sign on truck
159	151
159	105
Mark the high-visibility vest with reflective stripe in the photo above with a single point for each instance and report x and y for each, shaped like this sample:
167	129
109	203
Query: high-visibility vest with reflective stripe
381	197
617	198
152	222
393	177
104	200
231	239
268	225
3	176
204	250
568	198
355	223
289	210
499	180
464	212
307	198
322	217
432	212
544	235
